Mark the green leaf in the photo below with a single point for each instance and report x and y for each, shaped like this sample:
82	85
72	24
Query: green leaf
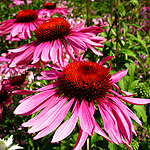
142	42
141	112
114	146
125	29
132	86
131	69
31	142
134	55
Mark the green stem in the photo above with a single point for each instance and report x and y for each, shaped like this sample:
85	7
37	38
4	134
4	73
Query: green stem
89	143
41	66
87	12
25	3
117	28
82	11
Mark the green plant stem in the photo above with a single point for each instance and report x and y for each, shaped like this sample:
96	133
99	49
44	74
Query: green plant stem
117	28
87	13
89	143
85	146
25	3
82	11
41	66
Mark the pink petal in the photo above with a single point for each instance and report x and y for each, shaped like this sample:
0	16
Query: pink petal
50	103
49	75
48	117
23	92
117	76
110	124
60	57
86	119
80	140
79	26
45	56
125	108
136	101
38	51
32	102
49	86
67	127
28	30
55	121
76	42
99	131
23	58
54	51
68	50
94	50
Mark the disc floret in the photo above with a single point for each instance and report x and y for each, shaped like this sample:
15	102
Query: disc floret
52	29
25	16
85	80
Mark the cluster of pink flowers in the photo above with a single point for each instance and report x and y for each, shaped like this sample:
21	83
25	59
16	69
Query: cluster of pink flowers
80	86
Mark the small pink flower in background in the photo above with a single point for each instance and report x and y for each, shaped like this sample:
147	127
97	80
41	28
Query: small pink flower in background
21	27
53	36
100	22
82	87
5	96
19	2
6	72
51	9
8	86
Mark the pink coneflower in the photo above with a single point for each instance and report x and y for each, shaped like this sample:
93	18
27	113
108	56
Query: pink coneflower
53	36
21	27
5	99
8	86
51	9
82	87
19	2
6	72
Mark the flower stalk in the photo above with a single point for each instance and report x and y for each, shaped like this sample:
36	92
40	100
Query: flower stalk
87	13
117	2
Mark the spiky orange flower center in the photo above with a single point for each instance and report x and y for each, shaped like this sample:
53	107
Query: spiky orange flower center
50	5
85	80
54	28
25	16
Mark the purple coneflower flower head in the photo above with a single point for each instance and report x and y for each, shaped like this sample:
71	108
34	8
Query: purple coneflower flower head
51	9
6	72
21	27
8	86
19	2
83	88
53	36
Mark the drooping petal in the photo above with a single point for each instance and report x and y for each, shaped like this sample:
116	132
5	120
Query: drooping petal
45	56
55	121
32	102
110	124
117	76
80	140
136	101
125	108
67	127
49	75
54	51
48	117
50	103
76	42
60	57
86	119
94	50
